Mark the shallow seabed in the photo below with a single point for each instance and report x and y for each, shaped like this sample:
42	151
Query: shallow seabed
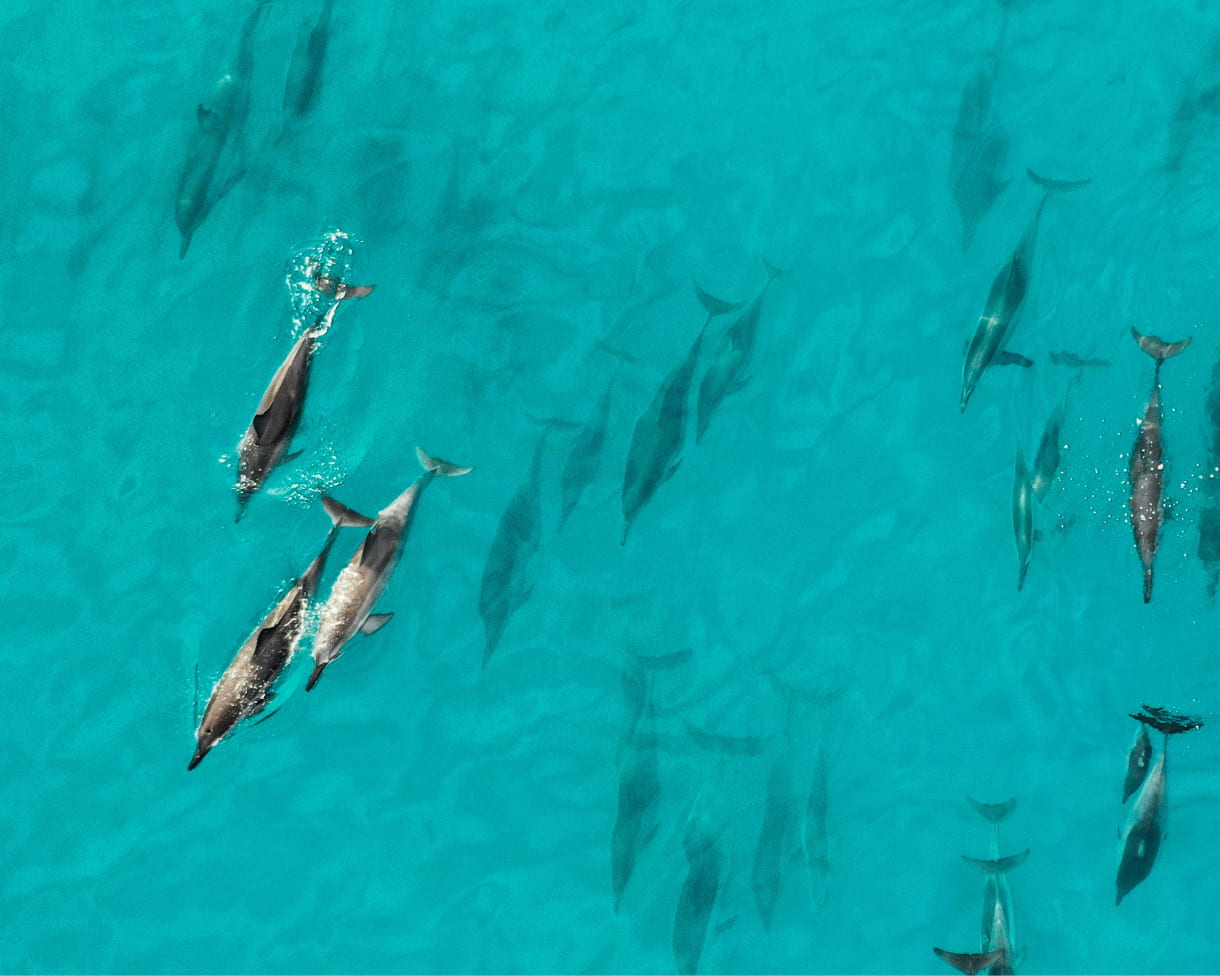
533	187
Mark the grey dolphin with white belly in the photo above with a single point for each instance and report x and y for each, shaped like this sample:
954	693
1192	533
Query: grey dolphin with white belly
347	610
218	117
1147	468
1007	295
998	925
1144	831
245	687
265	443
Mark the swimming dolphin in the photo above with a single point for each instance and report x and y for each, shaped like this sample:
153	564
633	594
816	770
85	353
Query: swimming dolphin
1046	462
1147	468
266	441
504	589
1144	830
348	608
218	117
698	895
639	785
305	68
659	434
729	368
1137	762
815	830
585	458
771	851
998	931
1023	516
245	687
1007	295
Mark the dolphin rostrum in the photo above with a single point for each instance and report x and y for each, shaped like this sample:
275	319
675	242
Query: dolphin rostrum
266	441
1023	516
218	117
1007	295
1147	469
245	687
348	608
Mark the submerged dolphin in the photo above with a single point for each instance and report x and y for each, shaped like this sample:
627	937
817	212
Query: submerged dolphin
1147	469
1007	295
585	459
245	687
348	608
659	434
266	441
305	68
1046	463
998	930
771	851
504	590
729	369
218	117
639	785
1144	830
698	895
1023	516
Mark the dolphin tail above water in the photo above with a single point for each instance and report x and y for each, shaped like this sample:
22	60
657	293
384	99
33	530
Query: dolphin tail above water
970	962
438	467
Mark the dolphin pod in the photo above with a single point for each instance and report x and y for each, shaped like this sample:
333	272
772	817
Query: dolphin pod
348	609
1147	468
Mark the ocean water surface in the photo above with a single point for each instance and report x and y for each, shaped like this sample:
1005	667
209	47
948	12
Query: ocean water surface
810	649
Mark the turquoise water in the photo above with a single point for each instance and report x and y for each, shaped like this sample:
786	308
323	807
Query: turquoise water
532	187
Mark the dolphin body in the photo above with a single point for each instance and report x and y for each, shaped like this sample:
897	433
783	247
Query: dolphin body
1007	295
585	458
1023	516
659	434
1209	518
244	689
305	69
639	785
348	608
998	932
503	591
729	369
218	117
1147	468
698	895
265	442
980	150
1046	462
1144	831
771	851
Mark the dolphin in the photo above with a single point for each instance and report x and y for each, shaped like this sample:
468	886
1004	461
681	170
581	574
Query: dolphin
728	371
815	830
245	687
266	441
348	608
659	434
1007	295
585	458
1023	516
1046	462
504	590
770	853
1137	762
698	895
305	68
1209	518
639	785
1147	469
1144	831
969	962
220	115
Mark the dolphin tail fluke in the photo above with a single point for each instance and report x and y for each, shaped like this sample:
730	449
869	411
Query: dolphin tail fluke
1056	186
1158	348
341	291
994	812
317	673
713	305
439	467
969	962
342	517
999	865
773	270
